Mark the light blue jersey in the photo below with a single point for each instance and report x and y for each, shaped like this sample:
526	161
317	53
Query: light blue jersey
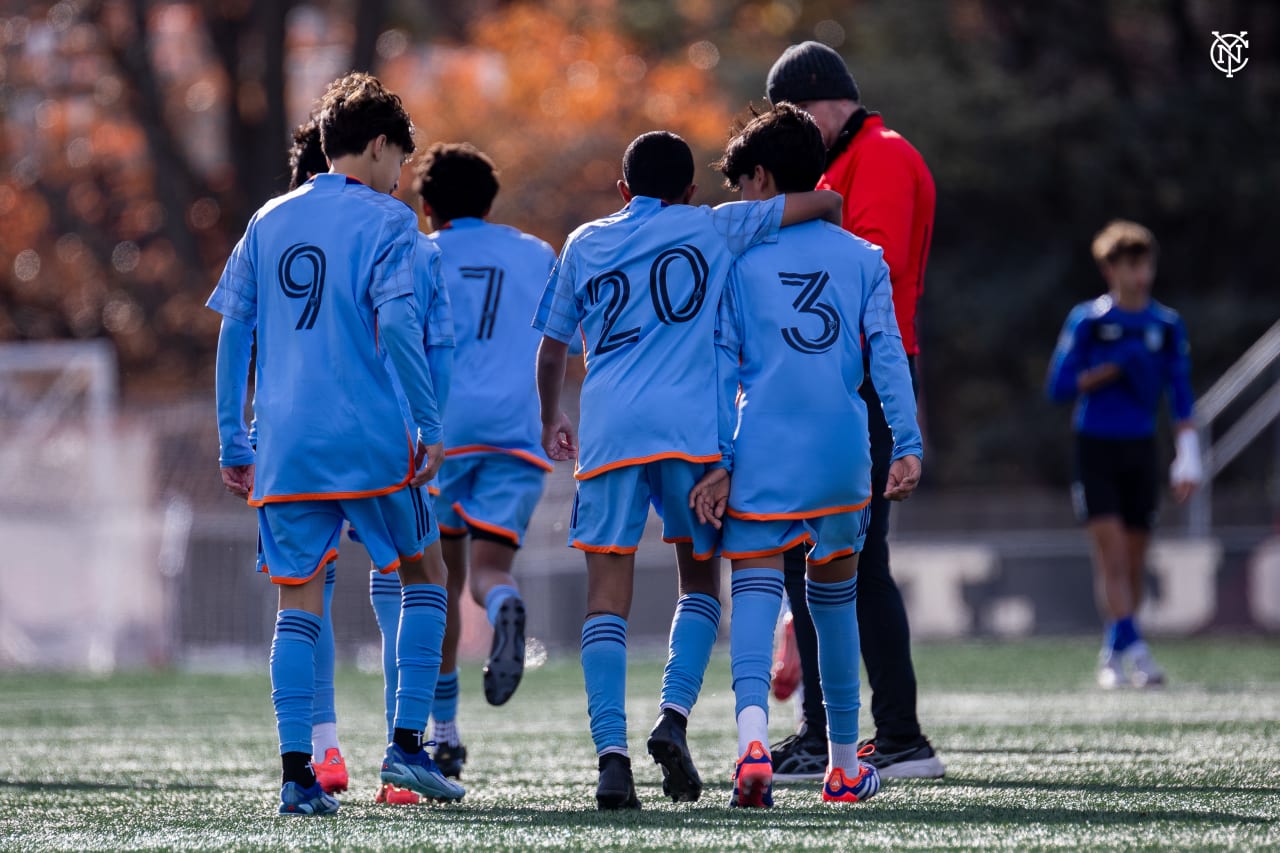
642	285
309	277
431	297
790	329
495	276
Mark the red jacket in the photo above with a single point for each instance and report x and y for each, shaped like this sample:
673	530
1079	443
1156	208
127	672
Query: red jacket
888	200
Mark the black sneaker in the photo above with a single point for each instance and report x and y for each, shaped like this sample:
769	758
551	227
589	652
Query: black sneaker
670	751
616	789
799	758
449	758
505	666
914	760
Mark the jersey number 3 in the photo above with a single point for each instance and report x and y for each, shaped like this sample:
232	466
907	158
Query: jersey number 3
618	288
301	273
811	286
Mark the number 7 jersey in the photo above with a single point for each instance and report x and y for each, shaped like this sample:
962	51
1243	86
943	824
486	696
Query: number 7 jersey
641	286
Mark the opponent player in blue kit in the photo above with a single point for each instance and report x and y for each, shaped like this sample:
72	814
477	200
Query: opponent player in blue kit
641	286
323	277
1116	356
793	322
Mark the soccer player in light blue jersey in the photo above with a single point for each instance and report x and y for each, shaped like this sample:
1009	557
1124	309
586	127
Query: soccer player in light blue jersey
640	287
323	278
1116	357
793	322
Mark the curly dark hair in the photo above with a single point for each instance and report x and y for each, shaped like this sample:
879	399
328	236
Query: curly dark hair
785	140
357	109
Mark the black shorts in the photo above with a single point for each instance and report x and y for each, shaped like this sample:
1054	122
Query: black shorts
1117	476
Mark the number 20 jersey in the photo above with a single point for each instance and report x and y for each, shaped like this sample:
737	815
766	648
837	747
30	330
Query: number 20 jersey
643	285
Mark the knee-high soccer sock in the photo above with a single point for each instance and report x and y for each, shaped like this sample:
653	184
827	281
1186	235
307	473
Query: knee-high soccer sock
693	633
757	600
444	713
384	595
494	599
835	616
293	684
324	715
1121	634
422	613
604	670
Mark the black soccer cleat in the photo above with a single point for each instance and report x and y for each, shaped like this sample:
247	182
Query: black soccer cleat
914	760
616	788
801	757
450	757
505	666
669	747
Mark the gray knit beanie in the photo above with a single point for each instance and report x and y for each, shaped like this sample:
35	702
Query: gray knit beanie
810	72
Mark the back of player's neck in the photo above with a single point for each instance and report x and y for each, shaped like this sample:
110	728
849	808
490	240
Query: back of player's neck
1129	303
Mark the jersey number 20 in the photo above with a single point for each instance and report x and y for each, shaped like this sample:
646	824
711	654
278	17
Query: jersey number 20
618	288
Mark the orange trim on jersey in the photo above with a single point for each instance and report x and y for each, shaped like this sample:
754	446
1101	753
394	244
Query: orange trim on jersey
847	552
644	460
768	552
495	529
339	496
795	516
324	561
604	549
488	448
434	491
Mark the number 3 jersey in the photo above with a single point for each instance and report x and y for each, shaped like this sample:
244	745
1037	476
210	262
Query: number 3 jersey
495	275
309	275
790	330
642	286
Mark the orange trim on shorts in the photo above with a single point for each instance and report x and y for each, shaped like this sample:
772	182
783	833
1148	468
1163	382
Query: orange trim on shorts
452	531
847	552
324	561
644	460
679	539
395	564
434	491
604	549
486	526
488	448
768	552
795	516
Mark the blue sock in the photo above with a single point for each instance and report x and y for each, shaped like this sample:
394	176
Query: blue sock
422	612
494	599
1121	634
833	607
325	709
693	633
384	595
293	677
604	669
445	709
757	600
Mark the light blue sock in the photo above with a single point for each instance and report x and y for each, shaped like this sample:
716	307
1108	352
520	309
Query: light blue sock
604	669
422	613
384	595
445	709
494	599
325	710
833	607
693	633
757	600
293	677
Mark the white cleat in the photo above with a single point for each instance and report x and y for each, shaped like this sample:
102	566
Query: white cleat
1143	670
1111	672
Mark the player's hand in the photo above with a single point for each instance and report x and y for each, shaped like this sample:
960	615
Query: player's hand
239	480
904	476
710	496
427	461
1183	490
560	439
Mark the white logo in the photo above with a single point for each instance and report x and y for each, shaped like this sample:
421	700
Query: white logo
1227	52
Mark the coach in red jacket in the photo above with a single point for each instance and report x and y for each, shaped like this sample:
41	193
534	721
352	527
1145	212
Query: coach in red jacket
888	200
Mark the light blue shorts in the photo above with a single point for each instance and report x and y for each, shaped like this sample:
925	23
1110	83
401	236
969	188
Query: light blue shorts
490	492
299	537
830	536
610	509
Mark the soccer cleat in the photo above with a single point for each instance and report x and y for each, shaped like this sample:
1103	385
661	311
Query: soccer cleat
616	789
786	665
799	758
297	801
332	772
753	779
837	787
450	757
915	760
1111	672
419	773
1143	670
670	750
505	666
393	796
